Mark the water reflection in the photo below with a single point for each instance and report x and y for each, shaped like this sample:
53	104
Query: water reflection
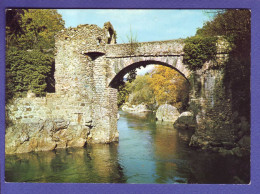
97	163
166	153
168	158
148	152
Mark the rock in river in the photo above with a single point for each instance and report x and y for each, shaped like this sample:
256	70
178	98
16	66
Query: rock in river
167	113
185	120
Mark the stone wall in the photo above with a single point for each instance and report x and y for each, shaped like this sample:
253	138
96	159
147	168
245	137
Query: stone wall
218	129
82	110
156	48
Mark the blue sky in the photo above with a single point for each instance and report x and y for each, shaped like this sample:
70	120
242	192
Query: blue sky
146	24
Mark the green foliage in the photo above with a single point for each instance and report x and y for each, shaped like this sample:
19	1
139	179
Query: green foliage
32	28
122	95
30	32
131	75
235	27
124	88
123	92
195	108
39	26
13	27
198	50
26	71
141	91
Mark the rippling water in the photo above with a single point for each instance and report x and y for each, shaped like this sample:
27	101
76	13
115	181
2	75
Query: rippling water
147	152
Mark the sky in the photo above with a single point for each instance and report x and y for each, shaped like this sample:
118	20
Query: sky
145	24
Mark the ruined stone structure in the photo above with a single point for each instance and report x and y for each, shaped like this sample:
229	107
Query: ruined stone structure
84	106
83	109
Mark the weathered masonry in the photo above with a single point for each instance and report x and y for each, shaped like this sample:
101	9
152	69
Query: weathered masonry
83	109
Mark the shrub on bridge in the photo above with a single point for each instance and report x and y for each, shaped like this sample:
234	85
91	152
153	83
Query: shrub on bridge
198	50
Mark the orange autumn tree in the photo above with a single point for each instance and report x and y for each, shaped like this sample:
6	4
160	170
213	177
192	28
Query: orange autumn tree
169	86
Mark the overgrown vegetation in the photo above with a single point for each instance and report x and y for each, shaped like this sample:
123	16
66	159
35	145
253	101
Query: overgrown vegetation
198	50
235	27
29	50
27	71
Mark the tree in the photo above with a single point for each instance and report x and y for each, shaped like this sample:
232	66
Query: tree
131	75
28	34
140	91
122	95
163	85
169	86
39	26
13	27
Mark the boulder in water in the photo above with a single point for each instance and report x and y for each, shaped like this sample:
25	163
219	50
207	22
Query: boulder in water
185	120
167	113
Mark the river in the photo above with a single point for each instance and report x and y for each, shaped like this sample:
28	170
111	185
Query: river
147	152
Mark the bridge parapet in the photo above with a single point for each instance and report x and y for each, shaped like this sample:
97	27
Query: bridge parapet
156	48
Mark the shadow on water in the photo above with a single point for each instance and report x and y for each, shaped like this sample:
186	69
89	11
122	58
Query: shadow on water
147	152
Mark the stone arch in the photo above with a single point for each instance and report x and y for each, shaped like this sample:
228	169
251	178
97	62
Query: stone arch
134	65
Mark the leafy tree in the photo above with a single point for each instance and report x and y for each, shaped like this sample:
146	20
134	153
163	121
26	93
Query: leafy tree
169	86
163	85
39	26
234	25
28	65
13	27
140	91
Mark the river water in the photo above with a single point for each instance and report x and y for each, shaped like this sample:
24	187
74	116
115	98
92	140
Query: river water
147	152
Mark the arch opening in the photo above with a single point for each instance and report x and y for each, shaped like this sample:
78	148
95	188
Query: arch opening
119	76
152	89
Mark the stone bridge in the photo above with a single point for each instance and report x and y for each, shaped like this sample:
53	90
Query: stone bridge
88	64
125	57
83	109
